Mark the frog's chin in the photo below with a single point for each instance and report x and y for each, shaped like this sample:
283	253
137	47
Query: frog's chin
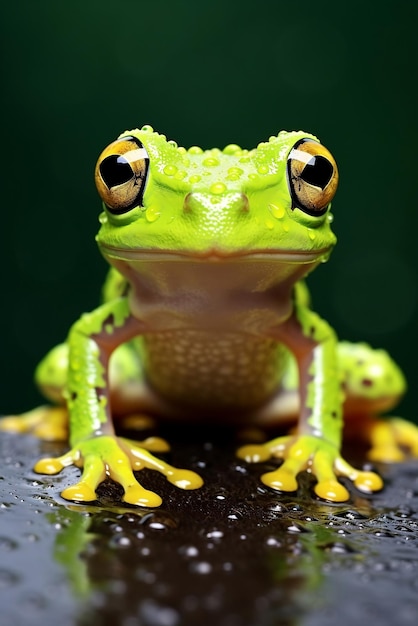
215	255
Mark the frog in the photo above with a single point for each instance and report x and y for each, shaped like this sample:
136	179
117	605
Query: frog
206	317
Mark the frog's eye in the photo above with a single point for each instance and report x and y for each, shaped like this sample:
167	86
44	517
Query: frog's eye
121	173
313	177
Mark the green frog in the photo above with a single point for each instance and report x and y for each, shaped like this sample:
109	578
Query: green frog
206	316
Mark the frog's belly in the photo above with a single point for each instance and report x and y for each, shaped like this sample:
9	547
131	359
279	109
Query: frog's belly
193	368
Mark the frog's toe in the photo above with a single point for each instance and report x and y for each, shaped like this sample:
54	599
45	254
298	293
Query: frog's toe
319	457
46	422
80	492
141	458
184	479
260	452
280	479
392	440
152	444
367	482
49	466
331	490
116	458
137	495
253	453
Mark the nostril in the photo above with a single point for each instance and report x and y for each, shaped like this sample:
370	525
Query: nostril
244	204
187	203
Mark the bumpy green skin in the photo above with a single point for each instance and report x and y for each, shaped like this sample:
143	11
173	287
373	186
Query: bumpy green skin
217	180
206	289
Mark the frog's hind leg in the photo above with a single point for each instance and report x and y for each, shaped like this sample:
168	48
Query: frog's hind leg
132	404
49	423
374	384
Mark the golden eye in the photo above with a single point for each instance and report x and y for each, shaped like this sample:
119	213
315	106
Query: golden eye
121	173
312	175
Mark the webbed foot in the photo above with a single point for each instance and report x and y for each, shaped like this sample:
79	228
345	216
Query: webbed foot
117	458
322	459
46	422
392	439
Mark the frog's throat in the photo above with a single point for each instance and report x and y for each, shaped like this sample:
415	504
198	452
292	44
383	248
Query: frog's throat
215	254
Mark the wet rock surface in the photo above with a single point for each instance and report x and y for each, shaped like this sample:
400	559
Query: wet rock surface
232	553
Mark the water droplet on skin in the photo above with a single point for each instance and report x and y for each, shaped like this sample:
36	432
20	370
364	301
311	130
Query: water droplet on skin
218	188
263	169
232	148
170	170
152	214
277	211
195	150
235	170
210	162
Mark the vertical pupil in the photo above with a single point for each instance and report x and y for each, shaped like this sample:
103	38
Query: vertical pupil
115	170
318	172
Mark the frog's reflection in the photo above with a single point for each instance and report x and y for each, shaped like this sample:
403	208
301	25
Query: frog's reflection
128	566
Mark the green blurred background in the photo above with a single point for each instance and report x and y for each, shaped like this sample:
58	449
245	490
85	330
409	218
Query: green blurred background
76	74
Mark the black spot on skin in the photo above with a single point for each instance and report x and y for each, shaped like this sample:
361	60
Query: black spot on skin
366	382
73	396
100	393
110	319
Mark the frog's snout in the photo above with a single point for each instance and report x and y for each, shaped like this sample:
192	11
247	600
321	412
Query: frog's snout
226	202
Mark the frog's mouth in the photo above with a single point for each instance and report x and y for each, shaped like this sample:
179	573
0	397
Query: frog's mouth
216	255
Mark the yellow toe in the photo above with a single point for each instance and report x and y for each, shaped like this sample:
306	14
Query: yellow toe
48	466
281	480
81	492
368	482
184	479
141	497
331	490
254	453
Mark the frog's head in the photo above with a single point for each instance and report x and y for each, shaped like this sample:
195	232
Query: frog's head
274	199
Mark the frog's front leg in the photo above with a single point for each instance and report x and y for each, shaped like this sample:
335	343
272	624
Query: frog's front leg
316	445
94	445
